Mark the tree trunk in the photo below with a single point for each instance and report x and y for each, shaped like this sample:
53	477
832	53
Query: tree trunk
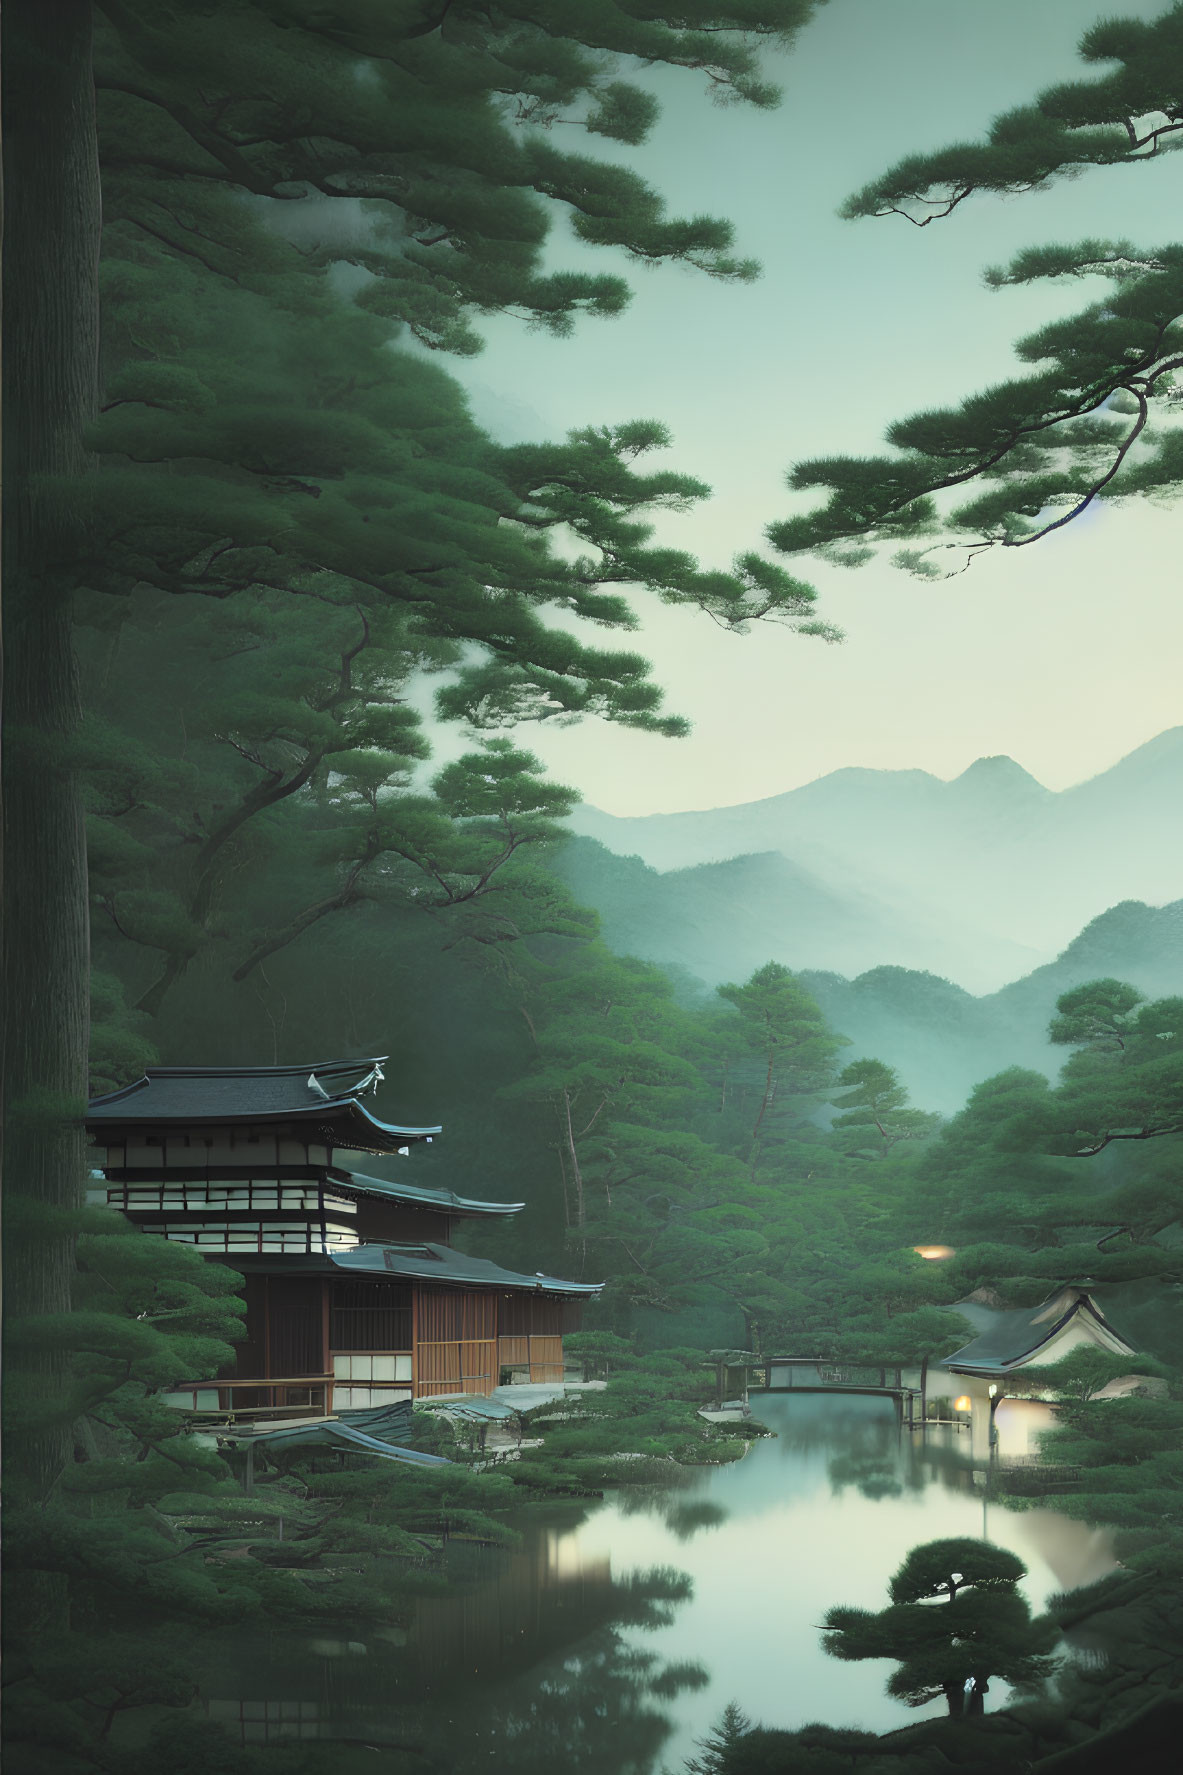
955	1699
52	230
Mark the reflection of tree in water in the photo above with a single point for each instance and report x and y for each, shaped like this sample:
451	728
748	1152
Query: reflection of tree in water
876	1460
684	1517
529	1669
876	1476
595	1708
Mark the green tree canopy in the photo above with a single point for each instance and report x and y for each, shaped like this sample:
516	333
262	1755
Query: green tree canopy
1096	414
983	1628
875	1112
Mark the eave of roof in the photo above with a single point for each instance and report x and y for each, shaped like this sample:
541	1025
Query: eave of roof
1013	1338
209	1096
345	1436
456	1269
395	1134
446	1200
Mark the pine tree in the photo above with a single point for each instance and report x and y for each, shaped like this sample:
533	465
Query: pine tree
732	1725
222	125
980	1628
1096	417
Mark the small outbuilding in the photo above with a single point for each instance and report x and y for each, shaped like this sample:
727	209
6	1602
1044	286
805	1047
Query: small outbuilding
1036	1336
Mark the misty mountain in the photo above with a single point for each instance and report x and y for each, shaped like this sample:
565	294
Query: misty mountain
975	879
720	921
944	1041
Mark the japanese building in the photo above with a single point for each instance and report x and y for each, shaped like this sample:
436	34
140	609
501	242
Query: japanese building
355	1297
1008	1411
1067	1320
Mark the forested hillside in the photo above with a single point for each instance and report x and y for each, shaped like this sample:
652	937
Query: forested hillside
706	923
718	919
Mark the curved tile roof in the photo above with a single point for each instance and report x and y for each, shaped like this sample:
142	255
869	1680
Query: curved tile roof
185	1096
1011	1340
439	1263
444	1199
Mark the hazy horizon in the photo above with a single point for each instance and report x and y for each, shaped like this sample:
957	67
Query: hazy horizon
982	758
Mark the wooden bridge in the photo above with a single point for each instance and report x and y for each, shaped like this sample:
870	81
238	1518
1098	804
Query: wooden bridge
740	1373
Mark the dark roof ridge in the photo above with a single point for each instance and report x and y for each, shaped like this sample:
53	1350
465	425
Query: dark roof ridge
317	1066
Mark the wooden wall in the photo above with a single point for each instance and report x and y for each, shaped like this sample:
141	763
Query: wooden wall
462	1339
456	1342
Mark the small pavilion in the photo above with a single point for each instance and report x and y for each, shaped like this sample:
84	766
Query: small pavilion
991	1367
355	1296
1036	1336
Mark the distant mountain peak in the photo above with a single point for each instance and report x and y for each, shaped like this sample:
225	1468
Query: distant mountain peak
999	772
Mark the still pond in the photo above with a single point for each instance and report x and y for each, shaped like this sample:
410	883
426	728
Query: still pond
613	1635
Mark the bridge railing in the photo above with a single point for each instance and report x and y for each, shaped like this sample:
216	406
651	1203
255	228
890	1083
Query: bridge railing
818	1371
740	1372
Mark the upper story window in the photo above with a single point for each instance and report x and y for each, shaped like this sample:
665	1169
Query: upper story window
235	1195
267	1237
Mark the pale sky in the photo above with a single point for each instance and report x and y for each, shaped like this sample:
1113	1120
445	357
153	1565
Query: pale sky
1065	655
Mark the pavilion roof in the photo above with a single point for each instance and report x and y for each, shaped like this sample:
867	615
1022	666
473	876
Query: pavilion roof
325	1092
456	1269
446	1200
1015	1339
377	1431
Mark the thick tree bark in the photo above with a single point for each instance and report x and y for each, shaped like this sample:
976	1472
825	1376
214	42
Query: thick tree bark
52	226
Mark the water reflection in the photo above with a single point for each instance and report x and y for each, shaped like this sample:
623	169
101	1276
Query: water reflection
684	1517
823	1515
612	1636
532	1659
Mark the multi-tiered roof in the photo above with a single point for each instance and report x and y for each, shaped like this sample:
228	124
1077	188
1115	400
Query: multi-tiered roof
243	1157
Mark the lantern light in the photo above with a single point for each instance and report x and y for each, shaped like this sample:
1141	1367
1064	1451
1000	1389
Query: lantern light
965	1403
934	1253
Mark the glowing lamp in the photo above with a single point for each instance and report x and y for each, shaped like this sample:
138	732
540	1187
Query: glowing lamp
965	1403
934	1253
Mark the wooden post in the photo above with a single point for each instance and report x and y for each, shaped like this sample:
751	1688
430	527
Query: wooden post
326	1360
248	1478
